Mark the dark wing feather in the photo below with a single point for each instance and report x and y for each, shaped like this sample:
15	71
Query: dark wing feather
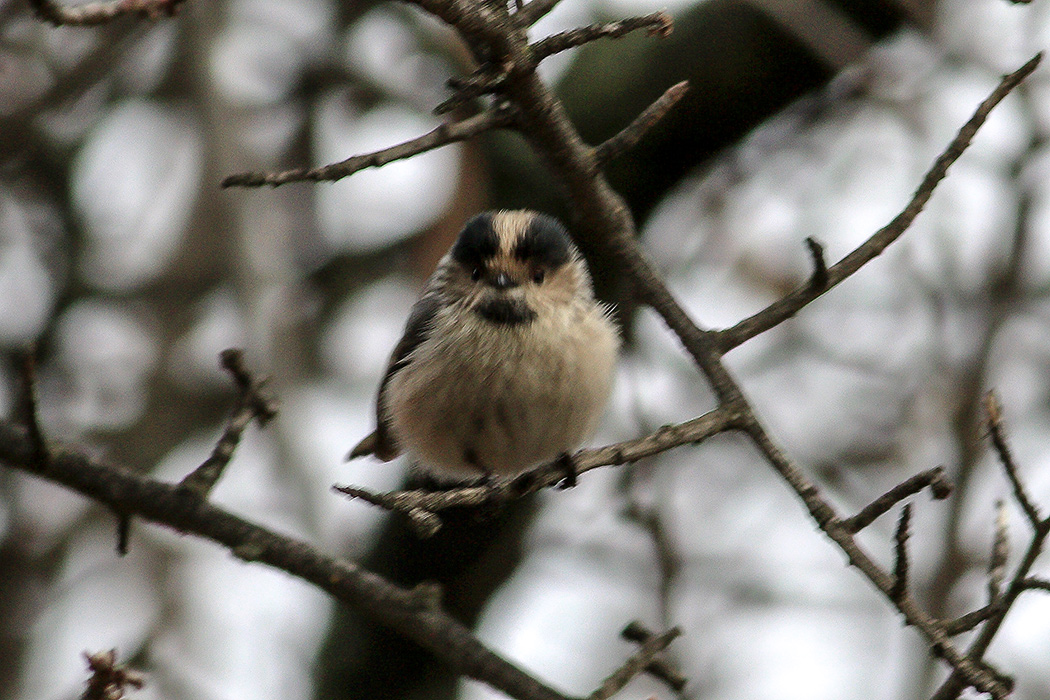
420	321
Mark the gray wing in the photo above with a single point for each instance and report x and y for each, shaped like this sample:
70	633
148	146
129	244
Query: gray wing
420	322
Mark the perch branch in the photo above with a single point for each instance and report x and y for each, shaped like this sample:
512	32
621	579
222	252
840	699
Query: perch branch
420	506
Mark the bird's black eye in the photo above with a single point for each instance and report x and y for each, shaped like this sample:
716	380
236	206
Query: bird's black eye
475	274
538	276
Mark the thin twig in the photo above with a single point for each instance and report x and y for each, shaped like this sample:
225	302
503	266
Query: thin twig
1033	583
900	554
657	23
818	281
635	665
1000	554
95	13
935	479
1002	448
484	80
786	307
532	12
965	623
973	672
629	137
251	405
425	522
658	668
499	117
109	680
28	405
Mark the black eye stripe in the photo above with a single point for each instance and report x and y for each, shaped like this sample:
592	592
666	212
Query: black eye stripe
545	243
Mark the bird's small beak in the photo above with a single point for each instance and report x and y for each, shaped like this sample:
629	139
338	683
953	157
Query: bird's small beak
502	281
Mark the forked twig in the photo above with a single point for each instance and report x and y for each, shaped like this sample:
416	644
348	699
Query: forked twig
251	405
635	665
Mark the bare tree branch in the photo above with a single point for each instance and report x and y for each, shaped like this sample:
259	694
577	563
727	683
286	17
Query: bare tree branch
972	672
658	667
1000	554
109	680
783	309
657	23
935	479
420	506
370	595
633	133
500	116
900	556
95	13
532	12
484	80
1035	584
635	665
818	281
998	434
251	405
965	623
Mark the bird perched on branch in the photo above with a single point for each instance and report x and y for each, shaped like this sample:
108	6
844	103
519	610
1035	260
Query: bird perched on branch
506	360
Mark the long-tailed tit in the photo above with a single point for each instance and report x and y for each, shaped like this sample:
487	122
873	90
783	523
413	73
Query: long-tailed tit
506	361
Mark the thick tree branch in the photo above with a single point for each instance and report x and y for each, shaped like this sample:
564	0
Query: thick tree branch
171	506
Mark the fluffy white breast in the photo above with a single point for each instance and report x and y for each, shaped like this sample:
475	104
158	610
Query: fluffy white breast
479	397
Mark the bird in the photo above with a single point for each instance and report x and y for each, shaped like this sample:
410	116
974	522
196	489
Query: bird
507	360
